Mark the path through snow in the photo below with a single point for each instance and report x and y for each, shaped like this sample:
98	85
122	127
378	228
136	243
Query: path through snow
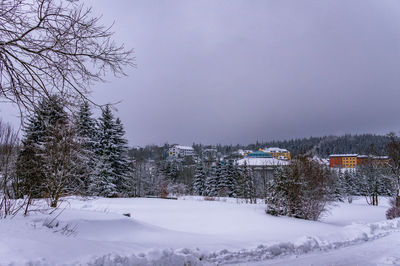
382	251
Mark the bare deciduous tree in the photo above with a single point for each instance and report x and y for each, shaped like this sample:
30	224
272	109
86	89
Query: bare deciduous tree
62	160
393	149
50	46
8	150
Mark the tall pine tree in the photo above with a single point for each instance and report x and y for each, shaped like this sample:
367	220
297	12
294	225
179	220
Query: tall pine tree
199	180
211	184
104	184
121	164
113	165
89	140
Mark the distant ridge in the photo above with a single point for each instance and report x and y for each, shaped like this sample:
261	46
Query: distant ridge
324	146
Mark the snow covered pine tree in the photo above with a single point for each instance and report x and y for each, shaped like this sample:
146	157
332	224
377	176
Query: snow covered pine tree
112	167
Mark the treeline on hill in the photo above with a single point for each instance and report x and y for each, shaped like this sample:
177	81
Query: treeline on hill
324	146
319	146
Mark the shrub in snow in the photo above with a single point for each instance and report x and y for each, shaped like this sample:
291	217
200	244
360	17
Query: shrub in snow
394	210
302	190
163	189
209	198
177	189
374	181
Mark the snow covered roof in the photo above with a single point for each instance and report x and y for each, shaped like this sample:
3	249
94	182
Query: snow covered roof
373	157
380	157
183	147
243	152
320	160
274	149
344	155
259	154
261	162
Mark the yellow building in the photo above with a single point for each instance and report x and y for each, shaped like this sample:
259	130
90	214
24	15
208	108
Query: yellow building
349	161
354	160
343	160
278	153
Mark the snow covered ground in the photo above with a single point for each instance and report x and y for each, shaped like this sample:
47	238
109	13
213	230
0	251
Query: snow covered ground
191	230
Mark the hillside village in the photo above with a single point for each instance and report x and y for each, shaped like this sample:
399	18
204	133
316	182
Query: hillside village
275	156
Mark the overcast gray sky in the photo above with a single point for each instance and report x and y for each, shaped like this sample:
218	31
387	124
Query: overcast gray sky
239	71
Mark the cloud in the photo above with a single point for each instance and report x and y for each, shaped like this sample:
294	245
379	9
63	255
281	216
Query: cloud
234	71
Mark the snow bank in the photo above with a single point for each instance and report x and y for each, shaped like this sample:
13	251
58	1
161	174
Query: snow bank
352	235
165	258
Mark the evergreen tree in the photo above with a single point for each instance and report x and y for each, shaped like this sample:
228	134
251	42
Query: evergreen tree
104	185
246	188
49	161
211	185
338	189
30	161
277	192
121	164
199	184
227	182
221	179
113	174
89	140
172	170
350	185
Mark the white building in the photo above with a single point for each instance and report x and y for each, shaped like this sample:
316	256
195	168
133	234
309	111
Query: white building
243	152
278	153
180	151
261	159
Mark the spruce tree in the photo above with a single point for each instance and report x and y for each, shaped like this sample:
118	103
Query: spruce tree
199	180
221	179
89	139
104	184
211	184
249	188
121	164
230	180
113	172
29	166
49	159
276	192
350	184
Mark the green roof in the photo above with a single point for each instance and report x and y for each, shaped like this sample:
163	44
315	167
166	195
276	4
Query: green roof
259	154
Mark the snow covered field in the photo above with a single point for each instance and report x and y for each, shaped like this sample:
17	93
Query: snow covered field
172	232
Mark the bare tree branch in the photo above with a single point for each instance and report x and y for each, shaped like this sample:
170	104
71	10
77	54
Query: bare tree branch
51	46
